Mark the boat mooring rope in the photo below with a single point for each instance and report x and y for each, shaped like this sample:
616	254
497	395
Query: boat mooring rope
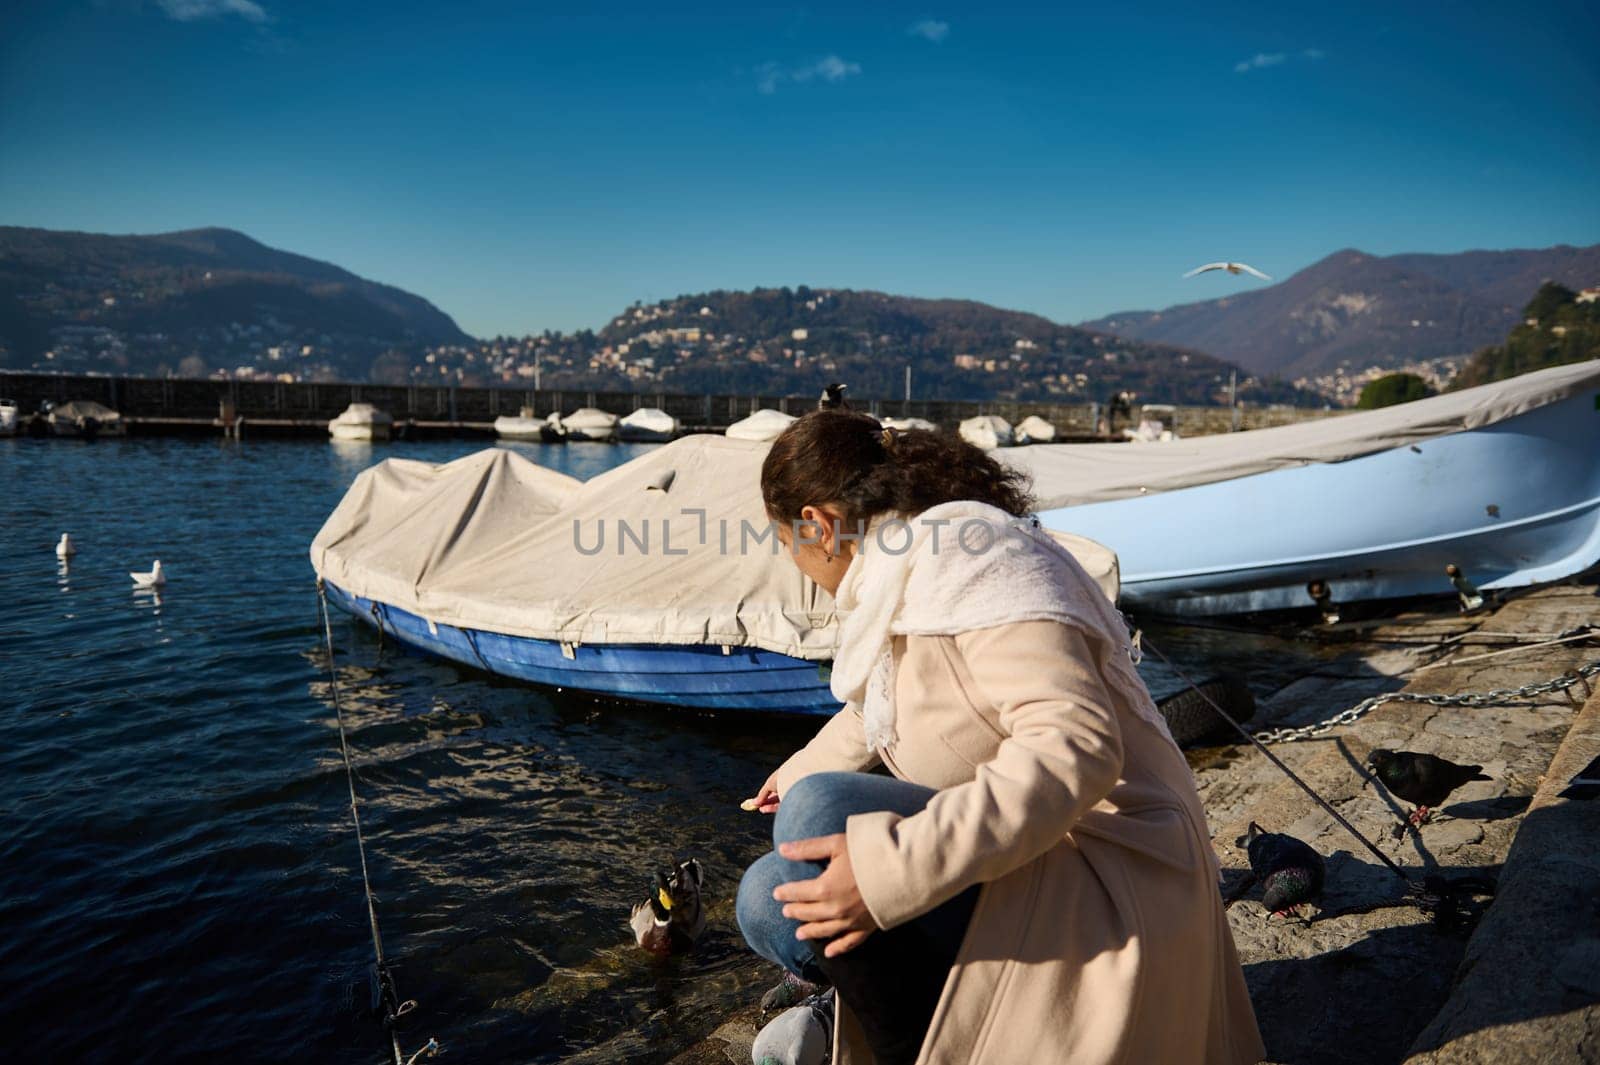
386	995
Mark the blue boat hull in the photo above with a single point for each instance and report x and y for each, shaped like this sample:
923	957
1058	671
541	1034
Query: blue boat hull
687	676
1511	504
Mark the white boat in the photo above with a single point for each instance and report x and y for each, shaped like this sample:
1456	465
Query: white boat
528	426
987	431
590	423
904	425
648	424
659	580
1158	424
86	419
1501	481
361	421
763	425
9	417
1035	430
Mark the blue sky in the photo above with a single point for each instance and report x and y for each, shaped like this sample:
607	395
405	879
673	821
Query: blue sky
529	168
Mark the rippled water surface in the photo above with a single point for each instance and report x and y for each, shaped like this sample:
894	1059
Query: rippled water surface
178	875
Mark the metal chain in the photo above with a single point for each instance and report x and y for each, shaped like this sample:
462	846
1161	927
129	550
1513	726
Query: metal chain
1497	697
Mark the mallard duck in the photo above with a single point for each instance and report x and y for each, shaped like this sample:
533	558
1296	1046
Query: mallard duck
672	918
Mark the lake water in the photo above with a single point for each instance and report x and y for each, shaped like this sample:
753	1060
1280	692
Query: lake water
178	875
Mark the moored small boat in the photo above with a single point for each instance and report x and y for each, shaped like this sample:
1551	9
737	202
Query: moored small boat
1035	430
590	423
1501	481
904	425
987	431
660	580
523	426
763	425
85	419
648	424
9	417
361	421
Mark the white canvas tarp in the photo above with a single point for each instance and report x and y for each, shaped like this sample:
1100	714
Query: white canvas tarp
1070	474
673	547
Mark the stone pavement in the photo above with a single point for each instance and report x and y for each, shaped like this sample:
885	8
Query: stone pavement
1529	987
1369	971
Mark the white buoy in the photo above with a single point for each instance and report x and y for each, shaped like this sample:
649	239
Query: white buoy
65	549
154	579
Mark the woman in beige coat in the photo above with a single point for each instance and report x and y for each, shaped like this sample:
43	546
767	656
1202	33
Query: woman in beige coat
1036	882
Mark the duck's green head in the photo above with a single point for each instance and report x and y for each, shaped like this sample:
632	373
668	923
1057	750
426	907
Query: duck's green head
661	900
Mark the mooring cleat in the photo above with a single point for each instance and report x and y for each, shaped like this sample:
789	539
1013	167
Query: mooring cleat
1320	593
1471	599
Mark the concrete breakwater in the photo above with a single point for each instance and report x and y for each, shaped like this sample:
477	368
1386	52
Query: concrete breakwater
171	405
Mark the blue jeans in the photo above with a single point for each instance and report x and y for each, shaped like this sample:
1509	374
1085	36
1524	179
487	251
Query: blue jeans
819	805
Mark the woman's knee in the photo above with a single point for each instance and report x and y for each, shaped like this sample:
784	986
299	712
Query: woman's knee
812	807
754	906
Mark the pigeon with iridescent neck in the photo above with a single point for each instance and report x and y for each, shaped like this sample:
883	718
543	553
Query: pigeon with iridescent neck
1289	871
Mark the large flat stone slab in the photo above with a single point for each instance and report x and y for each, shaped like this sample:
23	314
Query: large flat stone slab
1528	989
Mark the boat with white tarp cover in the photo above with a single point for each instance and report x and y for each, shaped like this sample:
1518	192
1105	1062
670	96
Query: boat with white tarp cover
660	580
1501	481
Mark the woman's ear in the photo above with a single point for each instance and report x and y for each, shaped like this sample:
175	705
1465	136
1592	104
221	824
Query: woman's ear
821	528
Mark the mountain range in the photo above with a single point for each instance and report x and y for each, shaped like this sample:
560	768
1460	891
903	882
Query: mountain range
144	304
783	340
1365	310
208	301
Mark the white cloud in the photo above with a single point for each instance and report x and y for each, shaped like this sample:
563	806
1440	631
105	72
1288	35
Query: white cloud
191	10
768	75
932	29
830	68
1272	59
1259	60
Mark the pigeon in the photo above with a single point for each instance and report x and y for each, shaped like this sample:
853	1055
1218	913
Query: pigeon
1425	780
1232	268
65	548
1290	872
1586	785
672	918
802	1035
790	992
154	579
833	398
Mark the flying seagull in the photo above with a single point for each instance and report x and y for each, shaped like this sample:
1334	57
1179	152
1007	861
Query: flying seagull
1232	268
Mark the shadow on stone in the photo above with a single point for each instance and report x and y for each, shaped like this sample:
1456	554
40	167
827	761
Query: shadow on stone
1496	809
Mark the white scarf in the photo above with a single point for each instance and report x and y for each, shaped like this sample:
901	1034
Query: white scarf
954	568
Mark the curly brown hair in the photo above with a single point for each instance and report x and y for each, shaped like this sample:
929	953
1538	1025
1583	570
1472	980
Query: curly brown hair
847	459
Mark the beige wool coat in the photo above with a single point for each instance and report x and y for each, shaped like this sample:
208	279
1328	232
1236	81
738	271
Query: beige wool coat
1098	935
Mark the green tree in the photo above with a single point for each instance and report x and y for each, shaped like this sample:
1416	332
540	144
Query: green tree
1550	298
1566	331
1393	388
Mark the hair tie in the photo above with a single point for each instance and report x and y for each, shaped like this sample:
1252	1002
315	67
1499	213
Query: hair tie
888	438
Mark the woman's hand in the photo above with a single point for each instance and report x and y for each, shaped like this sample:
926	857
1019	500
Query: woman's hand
766	799
830	906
